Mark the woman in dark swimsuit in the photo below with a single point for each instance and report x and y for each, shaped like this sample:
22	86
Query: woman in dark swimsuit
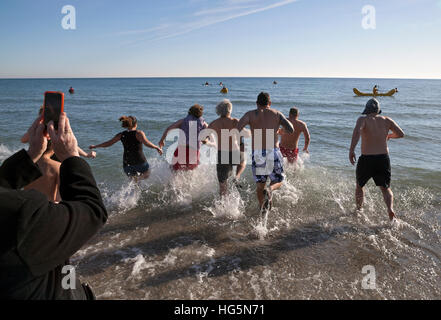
134	162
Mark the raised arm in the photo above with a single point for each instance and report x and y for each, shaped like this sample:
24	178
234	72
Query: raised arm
18	171
397	132
307	138
175	125
355	138
285	123
109	143
140	135
82	153
243	122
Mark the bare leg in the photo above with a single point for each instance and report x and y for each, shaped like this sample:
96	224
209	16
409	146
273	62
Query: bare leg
223	188
240	169
260	196
389	200
359	197
275	186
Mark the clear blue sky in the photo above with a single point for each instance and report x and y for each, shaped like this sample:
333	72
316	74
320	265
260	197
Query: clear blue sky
312	38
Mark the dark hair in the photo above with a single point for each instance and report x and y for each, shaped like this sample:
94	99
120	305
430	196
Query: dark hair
128	122
294	112
263	99
196	111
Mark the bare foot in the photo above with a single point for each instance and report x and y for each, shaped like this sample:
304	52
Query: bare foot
391	215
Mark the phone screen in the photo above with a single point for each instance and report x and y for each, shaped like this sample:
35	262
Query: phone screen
53	106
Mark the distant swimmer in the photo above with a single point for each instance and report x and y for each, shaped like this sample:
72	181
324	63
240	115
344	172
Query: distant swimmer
221	84
274	82
375	90
229	145
374	161
224	90
396	89
135	164
289	141
71	90
187	155
267	161
207	84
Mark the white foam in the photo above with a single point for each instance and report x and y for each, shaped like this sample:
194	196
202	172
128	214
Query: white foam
124	199
5	152
230	206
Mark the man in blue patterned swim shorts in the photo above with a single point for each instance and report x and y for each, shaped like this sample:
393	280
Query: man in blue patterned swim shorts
267	161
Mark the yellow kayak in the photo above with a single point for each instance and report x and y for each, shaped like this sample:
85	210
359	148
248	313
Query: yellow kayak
224	90
387	94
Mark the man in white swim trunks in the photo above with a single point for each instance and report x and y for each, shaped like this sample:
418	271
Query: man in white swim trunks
267	161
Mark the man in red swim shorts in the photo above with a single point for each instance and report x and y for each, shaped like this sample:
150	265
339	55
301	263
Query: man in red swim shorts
289	141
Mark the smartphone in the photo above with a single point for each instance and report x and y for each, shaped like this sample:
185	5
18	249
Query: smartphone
53	107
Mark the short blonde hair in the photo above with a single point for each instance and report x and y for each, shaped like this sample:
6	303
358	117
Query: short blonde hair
224	108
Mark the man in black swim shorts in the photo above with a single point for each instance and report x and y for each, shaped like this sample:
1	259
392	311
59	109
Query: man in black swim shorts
374	161
229	144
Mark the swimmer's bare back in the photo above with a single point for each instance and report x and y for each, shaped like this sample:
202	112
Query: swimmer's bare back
265	122
291	140
49	182
374	132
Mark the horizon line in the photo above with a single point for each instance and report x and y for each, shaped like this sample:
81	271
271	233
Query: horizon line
211	77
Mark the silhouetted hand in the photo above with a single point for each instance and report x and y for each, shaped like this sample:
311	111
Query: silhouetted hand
37	139
63	141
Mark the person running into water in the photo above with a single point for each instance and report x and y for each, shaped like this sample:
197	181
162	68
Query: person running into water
229	145
187	155
289	141
267	161
135	164
374	161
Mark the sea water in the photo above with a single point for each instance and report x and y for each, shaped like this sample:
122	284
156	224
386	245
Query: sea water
172	237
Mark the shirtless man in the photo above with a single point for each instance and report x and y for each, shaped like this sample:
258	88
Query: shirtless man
374	161
267	159
229	145
49	182
289	141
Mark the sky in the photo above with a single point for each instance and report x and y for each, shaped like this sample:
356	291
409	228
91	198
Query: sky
214	38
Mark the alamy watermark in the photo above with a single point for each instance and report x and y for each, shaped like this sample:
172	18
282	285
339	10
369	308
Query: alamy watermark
369	20
70	279
222	149
369	281
69	21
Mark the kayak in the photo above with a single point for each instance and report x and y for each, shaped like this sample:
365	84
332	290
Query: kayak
362	94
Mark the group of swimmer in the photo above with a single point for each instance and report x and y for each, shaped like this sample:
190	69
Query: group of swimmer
273	136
